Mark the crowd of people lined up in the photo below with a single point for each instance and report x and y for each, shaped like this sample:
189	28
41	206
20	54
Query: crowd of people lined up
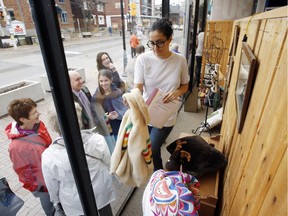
112	120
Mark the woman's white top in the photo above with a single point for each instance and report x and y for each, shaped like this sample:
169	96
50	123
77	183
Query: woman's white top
165	74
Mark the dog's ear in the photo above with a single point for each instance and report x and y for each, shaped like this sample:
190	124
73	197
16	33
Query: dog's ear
185	154
171	147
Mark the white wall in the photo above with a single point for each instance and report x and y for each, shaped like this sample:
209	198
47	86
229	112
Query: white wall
231	9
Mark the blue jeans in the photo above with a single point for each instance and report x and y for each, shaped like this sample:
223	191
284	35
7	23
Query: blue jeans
115	125
133	52
46	204
158	137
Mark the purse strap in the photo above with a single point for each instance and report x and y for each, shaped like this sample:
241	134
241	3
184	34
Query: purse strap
30	140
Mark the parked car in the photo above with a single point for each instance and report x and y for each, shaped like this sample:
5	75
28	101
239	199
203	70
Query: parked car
175	27
139	34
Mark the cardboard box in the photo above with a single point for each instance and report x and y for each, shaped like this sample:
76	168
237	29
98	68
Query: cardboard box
208	185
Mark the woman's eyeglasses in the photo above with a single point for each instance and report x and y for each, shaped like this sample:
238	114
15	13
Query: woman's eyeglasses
159	44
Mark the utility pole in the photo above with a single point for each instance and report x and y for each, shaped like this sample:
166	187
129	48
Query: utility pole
4	14
123	36
1	30
165	8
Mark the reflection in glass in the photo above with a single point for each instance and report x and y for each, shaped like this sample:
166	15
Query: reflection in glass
244	84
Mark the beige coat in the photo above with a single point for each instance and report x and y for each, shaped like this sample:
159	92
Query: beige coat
132	156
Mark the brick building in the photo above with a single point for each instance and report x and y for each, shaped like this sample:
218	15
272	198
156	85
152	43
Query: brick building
113	13
88	15
20	10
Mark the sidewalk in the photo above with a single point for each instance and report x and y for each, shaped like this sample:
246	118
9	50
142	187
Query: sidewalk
66	43
32	205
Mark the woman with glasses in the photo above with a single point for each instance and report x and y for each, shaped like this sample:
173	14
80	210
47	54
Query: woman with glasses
160	68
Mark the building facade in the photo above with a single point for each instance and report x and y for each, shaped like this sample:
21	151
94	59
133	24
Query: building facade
88	15
20	11
113	14
137	14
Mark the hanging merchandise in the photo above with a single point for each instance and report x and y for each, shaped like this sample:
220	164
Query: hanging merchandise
216	101
209	98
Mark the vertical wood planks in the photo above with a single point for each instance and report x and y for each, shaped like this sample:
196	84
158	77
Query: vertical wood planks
257	157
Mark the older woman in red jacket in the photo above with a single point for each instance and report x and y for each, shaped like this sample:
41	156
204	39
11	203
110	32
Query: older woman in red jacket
29	138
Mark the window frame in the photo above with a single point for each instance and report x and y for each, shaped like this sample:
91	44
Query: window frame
64	17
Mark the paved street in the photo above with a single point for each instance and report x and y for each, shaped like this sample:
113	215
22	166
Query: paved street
26	63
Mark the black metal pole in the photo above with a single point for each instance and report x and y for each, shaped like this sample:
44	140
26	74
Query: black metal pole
204	17
188	33
47	26
123	35
165	8
193	44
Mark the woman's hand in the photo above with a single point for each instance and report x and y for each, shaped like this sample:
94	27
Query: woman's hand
112	67
175	94
125	102
112	115
171	96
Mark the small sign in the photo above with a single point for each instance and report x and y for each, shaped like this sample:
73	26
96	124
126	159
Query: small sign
18	28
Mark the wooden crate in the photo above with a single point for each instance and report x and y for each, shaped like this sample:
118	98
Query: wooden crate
208	185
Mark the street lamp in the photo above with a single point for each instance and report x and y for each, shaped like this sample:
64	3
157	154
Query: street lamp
128	17
123	35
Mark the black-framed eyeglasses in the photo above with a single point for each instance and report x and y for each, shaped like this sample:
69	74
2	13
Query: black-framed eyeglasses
159	44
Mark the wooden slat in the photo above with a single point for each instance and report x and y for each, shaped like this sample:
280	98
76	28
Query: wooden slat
276	199
260	36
